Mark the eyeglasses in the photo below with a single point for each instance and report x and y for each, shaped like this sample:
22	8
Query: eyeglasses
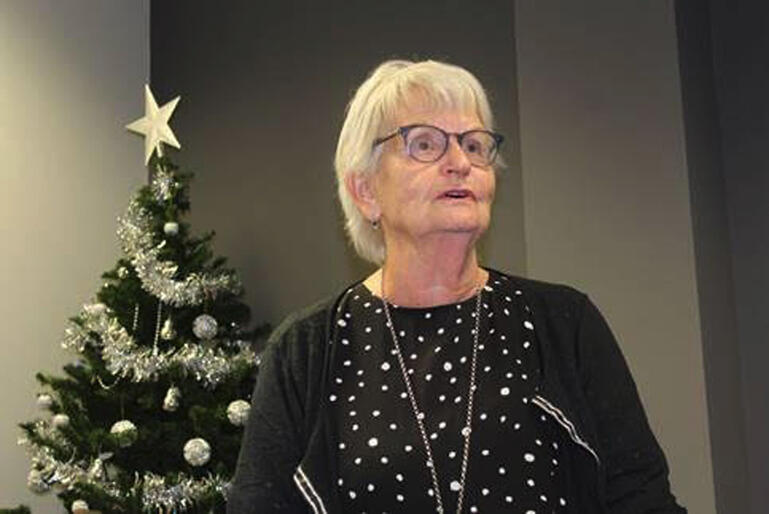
426	143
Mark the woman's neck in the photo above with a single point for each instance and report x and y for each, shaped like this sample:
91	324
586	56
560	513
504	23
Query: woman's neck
427	277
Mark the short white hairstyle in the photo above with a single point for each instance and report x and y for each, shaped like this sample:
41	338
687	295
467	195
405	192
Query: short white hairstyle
390	87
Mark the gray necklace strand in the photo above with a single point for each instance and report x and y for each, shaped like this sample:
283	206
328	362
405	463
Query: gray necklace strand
419	415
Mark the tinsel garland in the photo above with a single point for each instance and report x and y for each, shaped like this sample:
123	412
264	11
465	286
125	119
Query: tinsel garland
52	472
124	358
156	494
134	232
156	491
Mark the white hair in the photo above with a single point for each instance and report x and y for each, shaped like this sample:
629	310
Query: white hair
387	90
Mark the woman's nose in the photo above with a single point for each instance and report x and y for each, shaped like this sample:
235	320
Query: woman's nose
456	158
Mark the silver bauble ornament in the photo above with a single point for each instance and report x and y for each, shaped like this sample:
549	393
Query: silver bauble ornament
36	482
171	228
205	327
44	401
122	272
125	432
168	332
80	507
197	451
172	400
237	412
60	420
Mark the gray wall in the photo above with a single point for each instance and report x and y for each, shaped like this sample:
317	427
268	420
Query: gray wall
72	76
606	201
741	73
264	87
714	259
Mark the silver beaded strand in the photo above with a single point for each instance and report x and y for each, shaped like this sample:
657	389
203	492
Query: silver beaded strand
419	415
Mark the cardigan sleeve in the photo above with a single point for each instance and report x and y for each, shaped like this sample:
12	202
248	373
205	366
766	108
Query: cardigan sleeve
635	467
271	448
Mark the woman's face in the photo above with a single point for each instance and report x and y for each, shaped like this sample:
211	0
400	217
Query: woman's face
412	196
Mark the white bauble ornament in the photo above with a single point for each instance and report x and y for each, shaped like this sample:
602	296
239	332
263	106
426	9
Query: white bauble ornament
36	483
44	401
80	507
205	327
125	432
168	332
237	412
172	400
122	272
60	420
171	228
197	451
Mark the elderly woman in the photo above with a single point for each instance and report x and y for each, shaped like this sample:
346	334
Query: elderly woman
436	384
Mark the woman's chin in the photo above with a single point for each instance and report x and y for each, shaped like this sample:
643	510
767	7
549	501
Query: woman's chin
462	226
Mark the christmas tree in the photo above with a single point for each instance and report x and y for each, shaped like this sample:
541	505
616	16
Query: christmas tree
149	415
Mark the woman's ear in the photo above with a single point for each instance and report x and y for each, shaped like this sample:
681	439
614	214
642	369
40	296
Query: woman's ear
361	189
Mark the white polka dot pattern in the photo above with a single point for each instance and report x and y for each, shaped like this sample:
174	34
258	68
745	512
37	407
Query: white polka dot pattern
515	450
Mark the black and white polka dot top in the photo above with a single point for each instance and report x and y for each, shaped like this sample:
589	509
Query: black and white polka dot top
516	452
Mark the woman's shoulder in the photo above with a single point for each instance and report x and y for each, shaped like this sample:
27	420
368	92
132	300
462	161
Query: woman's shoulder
309	325
553	296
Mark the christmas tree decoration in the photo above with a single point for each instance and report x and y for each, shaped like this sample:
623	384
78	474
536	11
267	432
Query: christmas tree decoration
154	125
158	495
80	507
205	327
167	332
97	472
172	400
60	420
157	276
197	451
237	412
35	482
125	432
124	356
141	341
96	309
164	186
44	401
171	228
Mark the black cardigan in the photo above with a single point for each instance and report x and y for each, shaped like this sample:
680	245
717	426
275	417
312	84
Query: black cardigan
287	458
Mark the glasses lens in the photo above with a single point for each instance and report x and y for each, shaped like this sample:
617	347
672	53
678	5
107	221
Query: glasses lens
425	144
479	146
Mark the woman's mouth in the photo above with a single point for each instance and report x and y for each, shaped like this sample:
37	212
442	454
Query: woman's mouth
458	194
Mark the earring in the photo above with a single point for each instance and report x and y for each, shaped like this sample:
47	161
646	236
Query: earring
375	224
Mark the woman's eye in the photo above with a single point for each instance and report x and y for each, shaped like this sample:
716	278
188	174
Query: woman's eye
423	144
